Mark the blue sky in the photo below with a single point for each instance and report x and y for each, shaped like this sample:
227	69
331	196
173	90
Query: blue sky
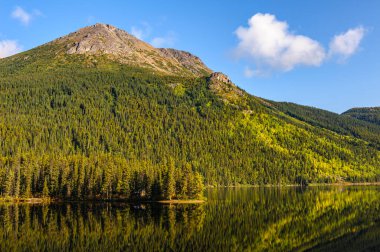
319	53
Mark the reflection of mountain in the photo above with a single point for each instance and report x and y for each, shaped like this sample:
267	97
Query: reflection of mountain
282	219
364	240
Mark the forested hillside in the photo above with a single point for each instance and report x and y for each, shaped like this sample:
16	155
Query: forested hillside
86	126
340	124
371	115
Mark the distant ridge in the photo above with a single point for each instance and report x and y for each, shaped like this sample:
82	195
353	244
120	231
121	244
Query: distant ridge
370	114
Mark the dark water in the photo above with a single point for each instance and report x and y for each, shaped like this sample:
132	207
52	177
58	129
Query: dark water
243	219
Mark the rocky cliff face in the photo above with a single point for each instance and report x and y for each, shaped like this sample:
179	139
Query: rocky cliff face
220	77
186	59
222	86
103	39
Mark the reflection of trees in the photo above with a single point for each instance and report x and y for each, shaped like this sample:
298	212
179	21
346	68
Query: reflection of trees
102	227
287	219
232	219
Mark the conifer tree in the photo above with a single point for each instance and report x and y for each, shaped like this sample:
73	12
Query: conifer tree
9	186
170	180
45	190
198	185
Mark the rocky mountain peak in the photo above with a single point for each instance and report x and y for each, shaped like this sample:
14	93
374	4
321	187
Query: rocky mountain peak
104	26
103	38
120	46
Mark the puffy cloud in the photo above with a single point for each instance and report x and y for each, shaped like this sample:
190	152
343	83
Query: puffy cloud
23	16
346	44
8	48
270	43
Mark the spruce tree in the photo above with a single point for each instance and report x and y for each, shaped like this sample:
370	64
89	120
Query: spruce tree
170	180
45	190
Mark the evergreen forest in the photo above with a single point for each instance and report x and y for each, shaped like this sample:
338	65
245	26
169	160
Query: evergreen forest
87	127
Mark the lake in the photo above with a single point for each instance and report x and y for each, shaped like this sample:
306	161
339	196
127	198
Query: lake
330	218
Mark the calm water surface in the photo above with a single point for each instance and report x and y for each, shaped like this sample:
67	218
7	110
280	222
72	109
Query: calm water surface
233	219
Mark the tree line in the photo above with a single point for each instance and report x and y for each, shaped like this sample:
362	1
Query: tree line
97	177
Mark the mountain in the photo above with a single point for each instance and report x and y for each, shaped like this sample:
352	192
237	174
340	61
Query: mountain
95	46
100	114
341	124
371	115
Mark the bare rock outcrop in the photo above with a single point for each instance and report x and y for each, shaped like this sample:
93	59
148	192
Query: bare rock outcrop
186	59
222	86
118	45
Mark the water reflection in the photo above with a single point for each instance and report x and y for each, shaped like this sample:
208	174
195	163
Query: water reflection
234	219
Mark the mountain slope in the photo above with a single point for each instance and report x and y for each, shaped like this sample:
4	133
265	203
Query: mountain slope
340	124
97	124
371	115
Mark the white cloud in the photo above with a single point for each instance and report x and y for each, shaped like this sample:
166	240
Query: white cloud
165	41
248	72
138	33
346	44
141	32
271	45
37	13
144	31
158	41
23	16
8	48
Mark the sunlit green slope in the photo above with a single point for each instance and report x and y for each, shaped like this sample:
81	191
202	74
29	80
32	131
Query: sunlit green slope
345	124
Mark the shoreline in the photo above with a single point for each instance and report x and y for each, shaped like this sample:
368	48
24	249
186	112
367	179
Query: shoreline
297	185
47	200
180	201
349	184
35	200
